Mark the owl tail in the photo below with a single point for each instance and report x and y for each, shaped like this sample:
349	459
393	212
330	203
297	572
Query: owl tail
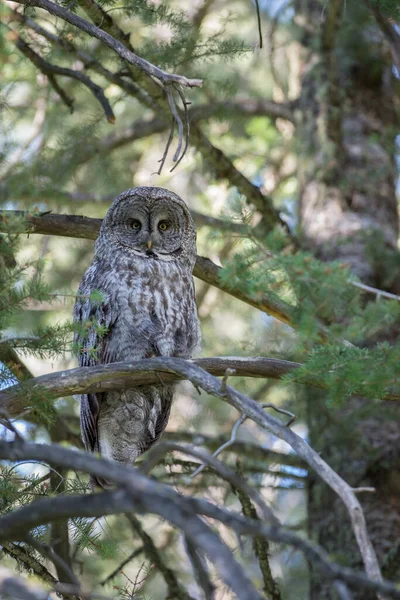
130	422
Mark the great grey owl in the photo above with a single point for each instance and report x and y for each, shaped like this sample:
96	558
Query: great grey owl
143	262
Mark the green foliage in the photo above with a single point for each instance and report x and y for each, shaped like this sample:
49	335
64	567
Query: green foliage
345	371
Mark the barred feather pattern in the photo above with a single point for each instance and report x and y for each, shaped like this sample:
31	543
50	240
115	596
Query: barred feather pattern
148	309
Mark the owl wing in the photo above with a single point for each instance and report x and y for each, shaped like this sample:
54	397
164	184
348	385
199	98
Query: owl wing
95	319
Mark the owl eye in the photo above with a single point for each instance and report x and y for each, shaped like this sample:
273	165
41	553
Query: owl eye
163	225
136	224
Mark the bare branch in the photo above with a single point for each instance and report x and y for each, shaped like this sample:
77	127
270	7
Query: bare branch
124	375
142	495
51	70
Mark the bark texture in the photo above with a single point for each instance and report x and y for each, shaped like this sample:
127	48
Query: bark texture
348	212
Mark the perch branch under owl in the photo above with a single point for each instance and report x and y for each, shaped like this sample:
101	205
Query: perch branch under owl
213	386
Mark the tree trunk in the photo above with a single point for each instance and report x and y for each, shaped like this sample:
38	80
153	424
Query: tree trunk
348	212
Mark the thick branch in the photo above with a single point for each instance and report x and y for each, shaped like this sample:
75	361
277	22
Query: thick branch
205	269
124	375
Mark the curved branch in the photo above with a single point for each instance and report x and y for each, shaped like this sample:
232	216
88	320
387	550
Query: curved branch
111	42
51	70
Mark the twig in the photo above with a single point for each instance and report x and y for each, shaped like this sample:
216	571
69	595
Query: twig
175	590
372	290
228	443
360	490
118	569
187	127
259	23
166	149
237	425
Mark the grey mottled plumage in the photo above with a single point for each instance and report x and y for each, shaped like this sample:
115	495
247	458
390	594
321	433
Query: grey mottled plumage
143	263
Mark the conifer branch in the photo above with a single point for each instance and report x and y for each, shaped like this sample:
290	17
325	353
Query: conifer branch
115	45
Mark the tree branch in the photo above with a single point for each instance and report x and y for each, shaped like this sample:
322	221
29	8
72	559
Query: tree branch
115	45
51	70
205	269
125	375
142	495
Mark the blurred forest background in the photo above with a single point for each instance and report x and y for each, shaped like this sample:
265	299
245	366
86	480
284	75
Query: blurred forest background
291	173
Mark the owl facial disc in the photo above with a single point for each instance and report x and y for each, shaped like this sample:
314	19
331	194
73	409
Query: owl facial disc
153	223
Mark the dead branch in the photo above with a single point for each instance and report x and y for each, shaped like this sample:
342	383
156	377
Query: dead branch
105	378
123	375
142	495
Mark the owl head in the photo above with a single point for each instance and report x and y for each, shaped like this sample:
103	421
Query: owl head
152	223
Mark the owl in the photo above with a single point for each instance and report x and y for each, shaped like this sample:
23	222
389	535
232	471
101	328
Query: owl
142	268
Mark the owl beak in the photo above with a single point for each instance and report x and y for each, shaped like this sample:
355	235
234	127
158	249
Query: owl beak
149	243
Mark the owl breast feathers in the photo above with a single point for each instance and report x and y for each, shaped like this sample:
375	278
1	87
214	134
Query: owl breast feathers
143	264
